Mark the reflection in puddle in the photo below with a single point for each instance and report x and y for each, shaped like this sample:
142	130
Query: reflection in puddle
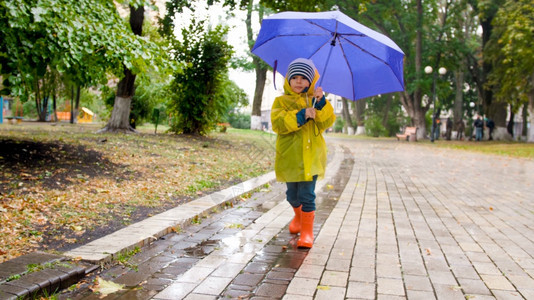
203	249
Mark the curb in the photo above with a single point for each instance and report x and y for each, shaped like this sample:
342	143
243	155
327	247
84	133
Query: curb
136	235
51	273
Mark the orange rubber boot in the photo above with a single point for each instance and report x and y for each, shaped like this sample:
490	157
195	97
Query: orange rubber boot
294	226
306	231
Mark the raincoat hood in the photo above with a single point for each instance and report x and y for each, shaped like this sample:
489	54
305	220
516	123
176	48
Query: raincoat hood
309	91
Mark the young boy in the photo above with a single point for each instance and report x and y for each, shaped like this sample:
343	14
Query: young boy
300	146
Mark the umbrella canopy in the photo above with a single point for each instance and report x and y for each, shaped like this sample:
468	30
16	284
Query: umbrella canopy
354	61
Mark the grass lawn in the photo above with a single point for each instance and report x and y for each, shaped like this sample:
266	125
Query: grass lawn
62	185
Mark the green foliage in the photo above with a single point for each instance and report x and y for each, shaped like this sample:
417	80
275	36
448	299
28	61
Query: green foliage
177	6
295	5
511	52
200	98
151	92
378	108
79	41
339	124
374	127
239	120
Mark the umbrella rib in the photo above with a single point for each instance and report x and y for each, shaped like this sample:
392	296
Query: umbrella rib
285	35
330	31
369	53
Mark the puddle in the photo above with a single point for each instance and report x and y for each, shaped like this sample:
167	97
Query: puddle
203	249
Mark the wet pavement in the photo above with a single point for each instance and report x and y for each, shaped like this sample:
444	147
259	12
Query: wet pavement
395	220
256	269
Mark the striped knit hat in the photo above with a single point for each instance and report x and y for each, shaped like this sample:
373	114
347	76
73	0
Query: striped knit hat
303	67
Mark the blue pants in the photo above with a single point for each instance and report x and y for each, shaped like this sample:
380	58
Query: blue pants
478	135
302	193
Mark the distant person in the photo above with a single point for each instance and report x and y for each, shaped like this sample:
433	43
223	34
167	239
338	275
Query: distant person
437	129
460	127
491	125
479	128
300	146
448	131
436	124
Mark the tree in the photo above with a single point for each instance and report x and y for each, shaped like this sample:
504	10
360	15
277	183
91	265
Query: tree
49	43
120	116
403	23
260	68
423	30
198	102
511	54
486	11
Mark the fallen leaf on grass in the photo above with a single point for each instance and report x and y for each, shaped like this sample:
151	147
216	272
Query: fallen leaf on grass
104	287
76	228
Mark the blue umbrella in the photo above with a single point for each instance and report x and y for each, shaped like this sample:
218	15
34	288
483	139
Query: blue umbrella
354	61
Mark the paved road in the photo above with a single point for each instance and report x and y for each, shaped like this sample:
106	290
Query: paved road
397	221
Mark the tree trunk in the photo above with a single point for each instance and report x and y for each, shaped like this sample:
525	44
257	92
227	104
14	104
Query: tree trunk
40	101
359	116
119	121
54	107
497	112
346	116
530	135
76	108
524	120
260	68
261	77
459	98
510	126
72	104
415	111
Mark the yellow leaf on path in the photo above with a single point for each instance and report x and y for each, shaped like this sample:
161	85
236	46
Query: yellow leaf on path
323	287
105	287
329	186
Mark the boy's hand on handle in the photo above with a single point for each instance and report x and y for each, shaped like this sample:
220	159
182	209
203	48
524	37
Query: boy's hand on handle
310	113
318	94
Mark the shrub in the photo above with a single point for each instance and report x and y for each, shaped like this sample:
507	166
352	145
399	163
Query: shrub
239	120
374	127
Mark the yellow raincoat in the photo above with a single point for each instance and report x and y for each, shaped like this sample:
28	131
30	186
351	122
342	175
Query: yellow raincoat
300	151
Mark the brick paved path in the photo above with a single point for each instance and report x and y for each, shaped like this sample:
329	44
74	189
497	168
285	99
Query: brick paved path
412	222
419	223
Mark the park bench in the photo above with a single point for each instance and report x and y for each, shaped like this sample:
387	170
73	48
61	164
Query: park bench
12	120
409	134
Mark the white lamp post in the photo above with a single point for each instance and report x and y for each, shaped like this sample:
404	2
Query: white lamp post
441	71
